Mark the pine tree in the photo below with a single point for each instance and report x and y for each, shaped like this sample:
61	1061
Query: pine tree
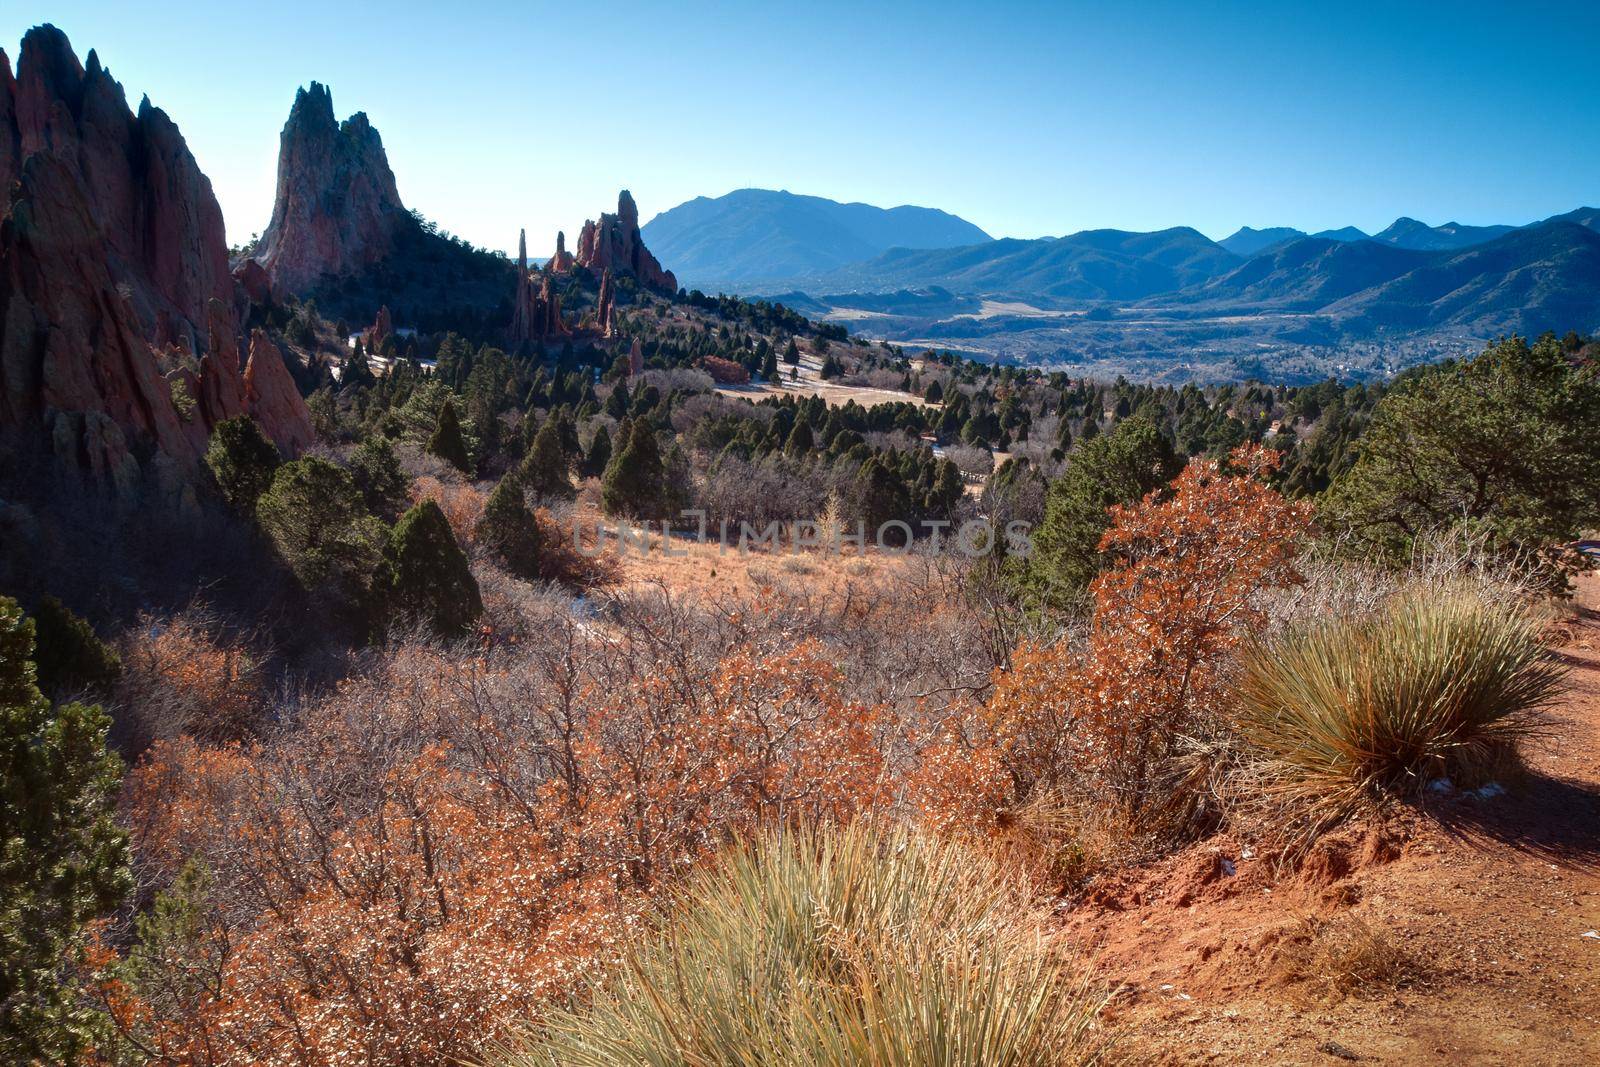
791	354
71	658
800	442
769	367
1119	468
598	457
447	442
378	475
242	461
63	860
357	372
543	471
633	483
508	530
935	393
947	486
316	519
429	579
880	494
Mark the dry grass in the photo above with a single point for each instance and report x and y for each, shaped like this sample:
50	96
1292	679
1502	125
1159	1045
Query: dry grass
1347	957
863	945
1437	684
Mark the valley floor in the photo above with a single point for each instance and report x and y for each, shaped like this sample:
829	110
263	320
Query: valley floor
1464	934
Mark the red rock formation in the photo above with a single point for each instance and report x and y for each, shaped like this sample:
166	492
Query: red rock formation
614	244
221	386
562	261
635	359
534	315
155	208
70	342
112	254
603	304
548	311
337	209
270	395
381	330
252	278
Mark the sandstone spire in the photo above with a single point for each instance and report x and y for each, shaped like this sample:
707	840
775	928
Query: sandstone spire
337	210
614	244
562	261
603	303
534	315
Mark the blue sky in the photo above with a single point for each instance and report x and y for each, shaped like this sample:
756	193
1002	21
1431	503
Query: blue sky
1027	119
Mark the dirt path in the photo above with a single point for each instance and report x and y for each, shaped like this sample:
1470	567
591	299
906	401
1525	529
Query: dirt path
1472	917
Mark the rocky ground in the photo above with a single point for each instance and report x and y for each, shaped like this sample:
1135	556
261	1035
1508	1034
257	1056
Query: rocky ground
1463	932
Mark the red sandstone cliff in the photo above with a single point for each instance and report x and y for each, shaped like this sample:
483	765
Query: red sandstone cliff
337	210
118	316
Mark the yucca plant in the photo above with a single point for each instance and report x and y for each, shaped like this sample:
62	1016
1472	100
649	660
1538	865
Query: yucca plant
854	946
1442	684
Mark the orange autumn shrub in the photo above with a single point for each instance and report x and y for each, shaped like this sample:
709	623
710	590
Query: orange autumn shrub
462	505
184	676
438	849
1104	722
772	739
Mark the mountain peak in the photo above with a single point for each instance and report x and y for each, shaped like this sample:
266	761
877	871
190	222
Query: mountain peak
751	235
1249	241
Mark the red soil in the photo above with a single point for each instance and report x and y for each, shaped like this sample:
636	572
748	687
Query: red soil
1478	906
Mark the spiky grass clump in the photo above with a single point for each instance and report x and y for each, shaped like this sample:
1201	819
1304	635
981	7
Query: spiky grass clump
1442	684
854	946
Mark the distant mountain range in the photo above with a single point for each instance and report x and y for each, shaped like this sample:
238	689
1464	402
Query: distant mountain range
1402	233
1167	303
754	235
1525	280
1093	265
1409	277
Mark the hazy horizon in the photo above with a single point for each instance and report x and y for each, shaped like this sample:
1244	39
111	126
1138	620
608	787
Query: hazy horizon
1031	119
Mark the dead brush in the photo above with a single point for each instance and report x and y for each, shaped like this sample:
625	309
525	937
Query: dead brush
1330	959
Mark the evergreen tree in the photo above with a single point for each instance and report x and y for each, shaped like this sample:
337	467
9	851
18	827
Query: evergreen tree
769	367
71	658
377	474
508	530
316	519
1119	468
633	483
242	461
447	442
599	454
1504	443
935	393
617	403
567	435
880	495
791	354
357	372
543	471
63	860
800	443
947	487
429	579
